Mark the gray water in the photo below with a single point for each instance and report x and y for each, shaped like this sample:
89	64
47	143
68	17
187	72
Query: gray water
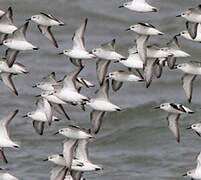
132	144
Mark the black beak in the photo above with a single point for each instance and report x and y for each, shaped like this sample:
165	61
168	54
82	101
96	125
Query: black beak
45	159
178	15
174	67
24	116
34	86
116	61
90	52
28	19
128	29
107	76
121	6
38	95
189	127
178	35
157	107
56	133
60	53
155	10
184	174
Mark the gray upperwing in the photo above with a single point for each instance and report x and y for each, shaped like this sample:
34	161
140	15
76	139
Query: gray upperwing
96	118
39	127
142	48
174	125
116	85
101	70
46	31
6	78
20	33
192	29
3	156
110	46
149	71
58	173
187	82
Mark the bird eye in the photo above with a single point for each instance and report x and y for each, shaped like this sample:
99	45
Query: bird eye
194	125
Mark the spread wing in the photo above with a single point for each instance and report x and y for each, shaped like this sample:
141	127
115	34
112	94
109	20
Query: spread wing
96	118
174	125
101	70
187	82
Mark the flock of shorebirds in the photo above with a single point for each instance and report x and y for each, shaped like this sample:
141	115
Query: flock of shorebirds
143	63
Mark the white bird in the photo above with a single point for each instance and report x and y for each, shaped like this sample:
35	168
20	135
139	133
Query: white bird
100	104
133	60
192	15
74	132
175	110
107	52
118	77
5	175
139	6
18	41
68	92
144	29
191	69
174	49
154	51
196	127
42	114
78	51
46	21
4	134
195	173
6	23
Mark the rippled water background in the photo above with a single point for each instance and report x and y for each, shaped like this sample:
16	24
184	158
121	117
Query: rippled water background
132	144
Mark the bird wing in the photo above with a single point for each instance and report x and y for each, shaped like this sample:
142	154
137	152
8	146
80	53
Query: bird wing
96	118
101	70
20	33
109	46
46	31
187	82
78	37
102	92
174	125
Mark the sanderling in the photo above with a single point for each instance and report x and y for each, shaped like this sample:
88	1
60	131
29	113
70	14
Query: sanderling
118	77
188	36
4	136
174	49
46	21
196	127
6	22
101	101
175	111
74	132
144	29
43	112
195	173
139	6
192	15
107	51
191	69
5	175
78	51
154	51
68	92
18	40
133	60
